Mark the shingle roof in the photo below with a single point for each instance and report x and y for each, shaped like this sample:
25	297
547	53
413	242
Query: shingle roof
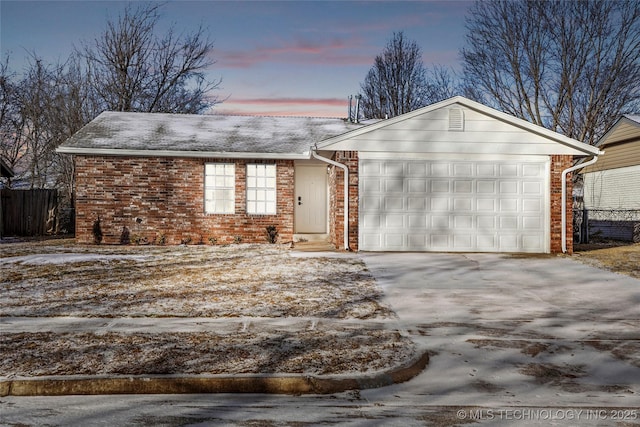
634	117
186	134
5	170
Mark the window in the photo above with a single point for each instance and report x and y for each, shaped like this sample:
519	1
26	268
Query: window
261	189
219	188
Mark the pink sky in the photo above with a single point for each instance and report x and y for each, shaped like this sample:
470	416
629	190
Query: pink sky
275	58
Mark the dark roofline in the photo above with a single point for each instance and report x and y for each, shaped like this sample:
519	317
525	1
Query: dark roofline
5	170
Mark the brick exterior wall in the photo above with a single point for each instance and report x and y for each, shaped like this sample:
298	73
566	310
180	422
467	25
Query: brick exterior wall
558	164
336	200
163	199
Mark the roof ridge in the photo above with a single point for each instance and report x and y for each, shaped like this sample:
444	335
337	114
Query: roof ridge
276	116
216	114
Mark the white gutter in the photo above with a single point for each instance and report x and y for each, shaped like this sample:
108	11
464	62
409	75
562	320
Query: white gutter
346	192
564	198
177	153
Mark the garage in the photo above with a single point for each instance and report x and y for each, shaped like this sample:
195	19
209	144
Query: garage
454	205
455	176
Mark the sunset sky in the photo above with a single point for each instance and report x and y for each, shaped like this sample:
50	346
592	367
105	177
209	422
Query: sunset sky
274	57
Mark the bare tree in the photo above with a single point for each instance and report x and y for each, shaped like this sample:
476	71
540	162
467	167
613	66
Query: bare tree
570	66
397	81
35	98
12	143
37	113
72	104
133	69
441	84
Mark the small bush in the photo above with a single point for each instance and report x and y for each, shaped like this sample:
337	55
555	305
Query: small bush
237	240
139	240
272	234
125	236
213	240
97	232
185	240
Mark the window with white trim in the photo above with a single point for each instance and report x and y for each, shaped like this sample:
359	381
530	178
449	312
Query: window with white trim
261	189
219	188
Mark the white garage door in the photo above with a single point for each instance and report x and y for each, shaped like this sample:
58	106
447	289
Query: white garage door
459	206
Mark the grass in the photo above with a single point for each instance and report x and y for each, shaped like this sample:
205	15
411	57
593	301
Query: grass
48	279
619	258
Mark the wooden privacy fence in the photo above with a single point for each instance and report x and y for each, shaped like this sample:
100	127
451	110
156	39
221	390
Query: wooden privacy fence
28	212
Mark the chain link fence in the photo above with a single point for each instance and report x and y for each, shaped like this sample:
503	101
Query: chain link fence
593	225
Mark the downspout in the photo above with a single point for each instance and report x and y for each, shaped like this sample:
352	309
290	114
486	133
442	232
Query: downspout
346	192
564	198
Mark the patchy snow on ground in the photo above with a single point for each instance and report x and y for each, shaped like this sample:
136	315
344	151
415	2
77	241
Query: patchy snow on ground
196	281
65	258
53	281
316	352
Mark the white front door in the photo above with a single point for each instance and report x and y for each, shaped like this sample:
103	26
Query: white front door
310	199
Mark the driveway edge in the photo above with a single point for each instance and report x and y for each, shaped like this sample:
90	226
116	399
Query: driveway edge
276	384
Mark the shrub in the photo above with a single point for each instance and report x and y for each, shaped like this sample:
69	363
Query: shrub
272	234
139	240
97	232
125	236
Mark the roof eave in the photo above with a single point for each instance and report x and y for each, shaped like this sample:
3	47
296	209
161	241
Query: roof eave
624	119
183	154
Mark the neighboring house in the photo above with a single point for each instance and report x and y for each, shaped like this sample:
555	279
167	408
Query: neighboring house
611	186
452	176
5	170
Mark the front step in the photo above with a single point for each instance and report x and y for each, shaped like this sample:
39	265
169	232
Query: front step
316	237
313	247
312	243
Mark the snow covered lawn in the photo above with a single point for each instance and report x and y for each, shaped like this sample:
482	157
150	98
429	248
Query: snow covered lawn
58	279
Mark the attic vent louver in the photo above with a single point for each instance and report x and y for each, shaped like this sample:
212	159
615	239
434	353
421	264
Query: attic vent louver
456	119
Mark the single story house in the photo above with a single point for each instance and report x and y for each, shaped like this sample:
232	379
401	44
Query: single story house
611	187
453	176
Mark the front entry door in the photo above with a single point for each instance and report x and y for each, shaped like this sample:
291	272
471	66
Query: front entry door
311	199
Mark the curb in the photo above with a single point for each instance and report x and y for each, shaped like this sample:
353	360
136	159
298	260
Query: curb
283	384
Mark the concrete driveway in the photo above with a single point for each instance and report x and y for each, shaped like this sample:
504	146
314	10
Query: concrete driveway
516	330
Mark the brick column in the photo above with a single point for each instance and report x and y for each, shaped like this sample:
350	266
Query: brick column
336	200
558	164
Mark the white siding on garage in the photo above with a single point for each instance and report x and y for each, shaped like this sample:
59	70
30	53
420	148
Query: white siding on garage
430	133
454	204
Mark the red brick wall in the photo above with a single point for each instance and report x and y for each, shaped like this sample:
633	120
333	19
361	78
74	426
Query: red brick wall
558	164
166	195
336	200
